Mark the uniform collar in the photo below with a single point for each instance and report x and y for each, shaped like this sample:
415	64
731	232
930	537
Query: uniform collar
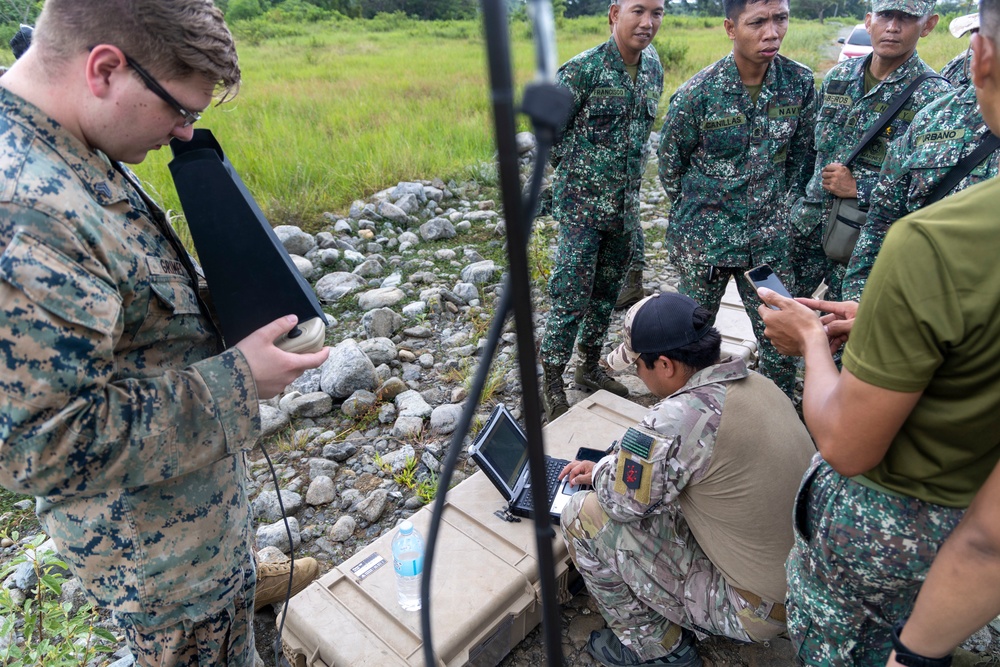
92	167
727	370
733	84
906	70
614	57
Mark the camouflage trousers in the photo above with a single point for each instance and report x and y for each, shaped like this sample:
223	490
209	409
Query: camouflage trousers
859	559
810	264
589	273
638	250
695	284
648	577
222	639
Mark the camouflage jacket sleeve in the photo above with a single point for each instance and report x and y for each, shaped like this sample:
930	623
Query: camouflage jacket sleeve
802	150
572	77
654	461
678	139
71	420
888	205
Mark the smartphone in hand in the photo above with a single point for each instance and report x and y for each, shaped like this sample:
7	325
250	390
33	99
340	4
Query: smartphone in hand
763	276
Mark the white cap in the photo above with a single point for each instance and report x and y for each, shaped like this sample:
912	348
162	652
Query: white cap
962	24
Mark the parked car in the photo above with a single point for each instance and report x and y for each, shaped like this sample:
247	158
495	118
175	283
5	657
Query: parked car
857	44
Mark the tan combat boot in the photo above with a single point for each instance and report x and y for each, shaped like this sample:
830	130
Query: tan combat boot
632	291
553	391
272	579
590	373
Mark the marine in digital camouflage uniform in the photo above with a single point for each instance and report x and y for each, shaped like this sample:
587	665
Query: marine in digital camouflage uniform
943	133
957	70
686	530
119	409
598	171
852	100
729	155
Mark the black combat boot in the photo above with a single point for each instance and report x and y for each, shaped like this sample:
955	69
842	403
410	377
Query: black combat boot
632	291
553	391
590	373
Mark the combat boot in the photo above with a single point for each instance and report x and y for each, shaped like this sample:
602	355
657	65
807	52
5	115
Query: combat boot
590	373
272	579
553	392
632	291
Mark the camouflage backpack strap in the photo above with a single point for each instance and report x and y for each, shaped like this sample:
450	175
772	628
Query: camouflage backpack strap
986	147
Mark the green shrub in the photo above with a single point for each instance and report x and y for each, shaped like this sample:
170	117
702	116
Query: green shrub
240	10
53	634
672	53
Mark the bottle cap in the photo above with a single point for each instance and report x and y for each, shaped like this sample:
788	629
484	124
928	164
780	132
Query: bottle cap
405	527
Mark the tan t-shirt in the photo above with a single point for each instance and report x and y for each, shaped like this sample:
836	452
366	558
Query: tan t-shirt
930	322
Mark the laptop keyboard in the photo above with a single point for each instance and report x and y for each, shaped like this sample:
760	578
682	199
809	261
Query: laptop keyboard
552	469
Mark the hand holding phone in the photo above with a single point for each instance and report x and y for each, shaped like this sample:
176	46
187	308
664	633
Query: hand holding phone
764	276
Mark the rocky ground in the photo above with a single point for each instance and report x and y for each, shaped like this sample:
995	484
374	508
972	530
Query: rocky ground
410	278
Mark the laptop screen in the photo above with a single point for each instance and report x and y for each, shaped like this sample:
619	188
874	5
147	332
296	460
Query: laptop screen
504	448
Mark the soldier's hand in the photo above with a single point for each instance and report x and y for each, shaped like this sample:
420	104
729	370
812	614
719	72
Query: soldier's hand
838	320
838	180
579	472
272	368
791	326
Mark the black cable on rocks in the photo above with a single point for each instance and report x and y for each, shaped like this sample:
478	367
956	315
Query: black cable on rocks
278	658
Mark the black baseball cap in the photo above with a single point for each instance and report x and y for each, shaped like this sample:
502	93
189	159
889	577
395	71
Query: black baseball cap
659	323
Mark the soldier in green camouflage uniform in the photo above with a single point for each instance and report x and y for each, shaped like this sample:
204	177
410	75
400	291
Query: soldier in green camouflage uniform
686	530
616	90
957	71
943	133
119	409
729	154
853	98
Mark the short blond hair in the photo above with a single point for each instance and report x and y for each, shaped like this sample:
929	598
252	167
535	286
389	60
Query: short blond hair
173	39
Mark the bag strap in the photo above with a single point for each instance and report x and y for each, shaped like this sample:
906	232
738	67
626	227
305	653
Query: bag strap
986	146
889	114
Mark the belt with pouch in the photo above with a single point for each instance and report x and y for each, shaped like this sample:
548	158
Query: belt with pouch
772	611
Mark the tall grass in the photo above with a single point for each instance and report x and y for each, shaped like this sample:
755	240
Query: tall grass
336	110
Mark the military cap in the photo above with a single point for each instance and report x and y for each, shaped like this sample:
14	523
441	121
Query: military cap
659	323
963	24
912	7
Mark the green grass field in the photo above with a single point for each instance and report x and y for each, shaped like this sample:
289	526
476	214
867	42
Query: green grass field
334	111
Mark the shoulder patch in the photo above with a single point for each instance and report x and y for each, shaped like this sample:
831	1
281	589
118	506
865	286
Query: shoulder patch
837	87
637	442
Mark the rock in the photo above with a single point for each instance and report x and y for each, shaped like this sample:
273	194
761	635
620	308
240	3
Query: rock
308	382
407	427
347	370
381	323
270	555
272	420
340	451
343	529
415	309
467	292
275	535
315	404
396	460
411	404
321	491
380	298
393	213
437	228
334	286
380	350
480	273
405	188
265	506
408	204
390	389
445	418
358	403
304	266
296	241
372	507
525	142
72	595
369	268
322	467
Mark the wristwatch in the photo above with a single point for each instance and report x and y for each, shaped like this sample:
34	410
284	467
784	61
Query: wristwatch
905	656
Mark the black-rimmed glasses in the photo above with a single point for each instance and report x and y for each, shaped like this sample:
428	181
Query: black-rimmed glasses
190	117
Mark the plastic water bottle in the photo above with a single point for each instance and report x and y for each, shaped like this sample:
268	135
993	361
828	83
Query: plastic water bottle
408	561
